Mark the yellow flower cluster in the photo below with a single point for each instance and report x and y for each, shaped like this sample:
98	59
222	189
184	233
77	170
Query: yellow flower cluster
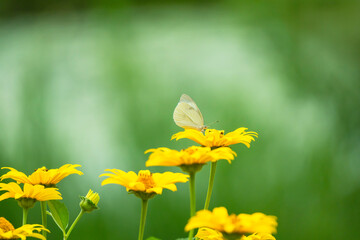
217	224
214	147
39	186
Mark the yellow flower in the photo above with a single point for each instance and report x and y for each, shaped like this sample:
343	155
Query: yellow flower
42	175
209	234
259	236
90	201
257	222
145	181
220	220
215	138
7	230
192	155
35	192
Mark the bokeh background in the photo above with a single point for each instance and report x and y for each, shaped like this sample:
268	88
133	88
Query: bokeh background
95	83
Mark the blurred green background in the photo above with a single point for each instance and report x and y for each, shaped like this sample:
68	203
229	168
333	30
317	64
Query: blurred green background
95	83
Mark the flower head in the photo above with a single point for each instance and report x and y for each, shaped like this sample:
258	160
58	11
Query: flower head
7	230
90	201
220	220
144	184
209	234
30	194
215	138
192	155
259	236
43	176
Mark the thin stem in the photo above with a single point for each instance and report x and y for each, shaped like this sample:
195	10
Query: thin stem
192	201
211	184
25	215
73	224
144	205
43	217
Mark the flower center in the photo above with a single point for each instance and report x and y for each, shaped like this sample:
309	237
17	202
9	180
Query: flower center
191	150
145	177
233	218
5	225
44	169
216	133
230	224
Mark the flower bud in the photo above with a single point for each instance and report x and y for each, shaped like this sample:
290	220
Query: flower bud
90	201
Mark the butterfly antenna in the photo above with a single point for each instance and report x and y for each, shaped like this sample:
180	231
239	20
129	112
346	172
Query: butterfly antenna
217	121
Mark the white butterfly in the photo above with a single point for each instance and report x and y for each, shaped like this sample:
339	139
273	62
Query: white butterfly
188	115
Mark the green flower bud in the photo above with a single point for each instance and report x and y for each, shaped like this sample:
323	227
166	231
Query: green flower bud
90	201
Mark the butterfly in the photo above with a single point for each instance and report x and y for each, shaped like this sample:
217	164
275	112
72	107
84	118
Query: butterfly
188	115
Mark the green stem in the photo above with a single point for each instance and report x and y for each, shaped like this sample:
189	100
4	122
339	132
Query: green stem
25	215
73	224
144	205
43	217
211	184
192	201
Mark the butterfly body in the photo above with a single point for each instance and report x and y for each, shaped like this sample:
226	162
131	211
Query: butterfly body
188	115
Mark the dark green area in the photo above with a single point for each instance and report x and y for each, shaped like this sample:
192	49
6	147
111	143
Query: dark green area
96	83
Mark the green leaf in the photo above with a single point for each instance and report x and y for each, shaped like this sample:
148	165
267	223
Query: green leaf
59	213
153	238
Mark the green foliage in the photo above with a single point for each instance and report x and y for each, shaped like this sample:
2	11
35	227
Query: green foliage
59	214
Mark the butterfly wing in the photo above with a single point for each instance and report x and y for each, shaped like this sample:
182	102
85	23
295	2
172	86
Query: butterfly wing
196	117
187	114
